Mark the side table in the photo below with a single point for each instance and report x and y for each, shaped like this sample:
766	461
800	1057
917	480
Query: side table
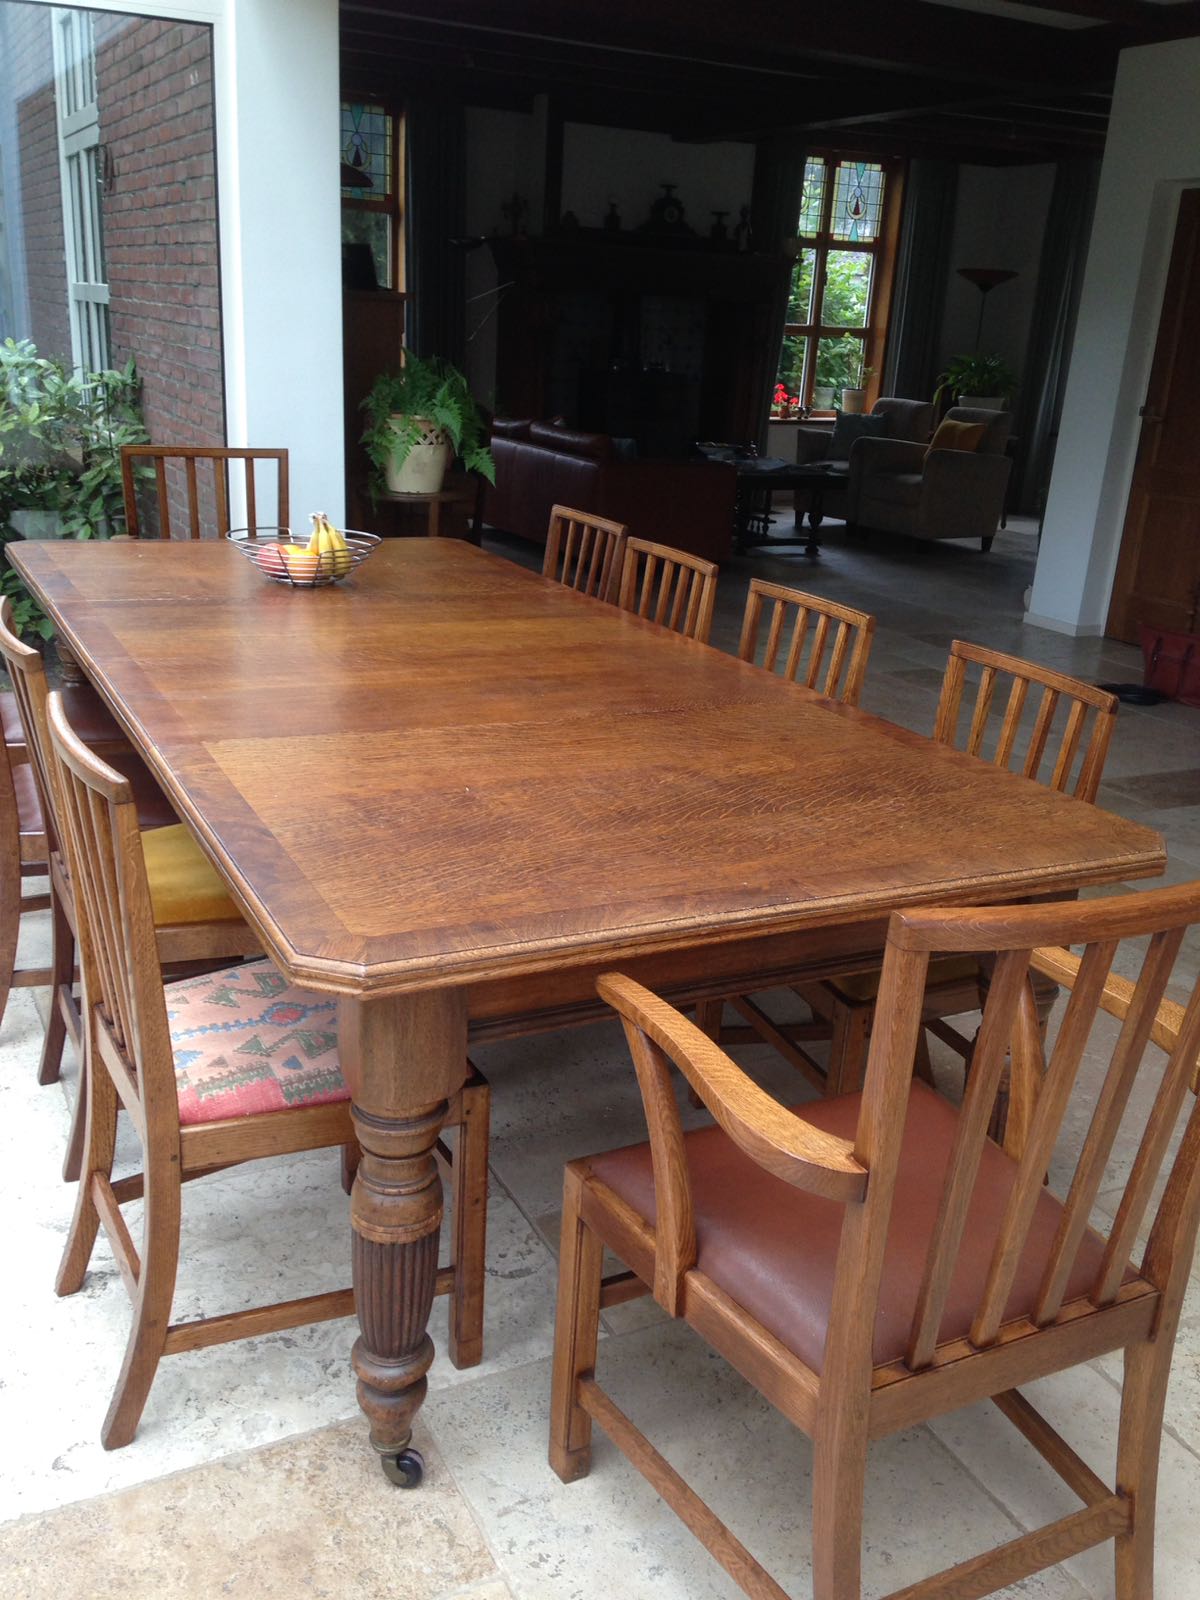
461	493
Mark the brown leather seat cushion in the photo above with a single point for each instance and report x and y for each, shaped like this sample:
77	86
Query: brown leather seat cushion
86	712
154	809
773	1248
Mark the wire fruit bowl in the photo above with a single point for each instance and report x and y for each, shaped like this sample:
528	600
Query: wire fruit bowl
272	551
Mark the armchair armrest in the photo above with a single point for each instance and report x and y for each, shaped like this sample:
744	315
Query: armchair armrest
869	456
812	444
962	494
777	1139
1115	998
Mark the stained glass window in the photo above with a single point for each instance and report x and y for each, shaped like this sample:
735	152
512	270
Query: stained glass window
372	152
366	152
834	326
857	201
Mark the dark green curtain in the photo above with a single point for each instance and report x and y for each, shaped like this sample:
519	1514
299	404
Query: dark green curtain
436	138
774	213
1052	329
910	367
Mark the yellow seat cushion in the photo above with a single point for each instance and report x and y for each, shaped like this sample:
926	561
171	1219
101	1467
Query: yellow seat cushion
957	436
184	885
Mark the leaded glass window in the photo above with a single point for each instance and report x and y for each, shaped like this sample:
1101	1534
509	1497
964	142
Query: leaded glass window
372	155
835	314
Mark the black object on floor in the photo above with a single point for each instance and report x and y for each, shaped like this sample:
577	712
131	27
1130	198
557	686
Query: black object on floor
1132	694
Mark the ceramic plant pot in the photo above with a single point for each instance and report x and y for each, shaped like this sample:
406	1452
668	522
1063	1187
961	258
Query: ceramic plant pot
424	467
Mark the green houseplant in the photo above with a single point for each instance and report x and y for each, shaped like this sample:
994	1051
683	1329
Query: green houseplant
60	455
976	376
419	415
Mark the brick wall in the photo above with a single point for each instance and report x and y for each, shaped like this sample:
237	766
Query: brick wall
155	91
31	74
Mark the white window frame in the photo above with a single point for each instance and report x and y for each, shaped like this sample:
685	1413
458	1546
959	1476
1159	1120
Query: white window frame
78	118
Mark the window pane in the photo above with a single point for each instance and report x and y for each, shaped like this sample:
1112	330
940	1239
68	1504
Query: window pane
366	151
857	201
800	302
811	195
791	367
847	297
839	362
374	229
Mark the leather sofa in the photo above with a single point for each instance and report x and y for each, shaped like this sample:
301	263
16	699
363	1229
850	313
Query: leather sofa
687	504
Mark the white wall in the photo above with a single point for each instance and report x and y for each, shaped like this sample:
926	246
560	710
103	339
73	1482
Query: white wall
1153	152
277	111
999	221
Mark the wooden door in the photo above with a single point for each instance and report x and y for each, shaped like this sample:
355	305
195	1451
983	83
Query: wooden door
1158	573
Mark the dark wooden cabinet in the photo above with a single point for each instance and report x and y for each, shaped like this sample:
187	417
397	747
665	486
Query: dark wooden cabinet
594	327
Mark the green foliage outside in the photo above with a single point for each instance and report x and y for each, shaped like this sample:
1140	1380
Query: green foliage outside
846	301
60	452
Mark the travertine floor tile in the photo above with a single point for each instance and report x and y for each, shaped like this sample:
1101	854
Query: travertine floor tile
312	1516
609	1534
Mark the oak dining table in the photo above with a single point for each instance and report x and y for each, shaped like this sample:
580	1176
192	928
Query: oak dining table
452	793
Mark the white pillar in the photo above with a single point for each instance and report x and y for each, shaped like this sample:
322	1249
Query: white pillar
280	217
1152	154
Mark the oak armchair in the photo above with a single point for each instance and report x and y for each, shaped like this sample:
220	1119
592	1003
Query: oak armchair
855	1328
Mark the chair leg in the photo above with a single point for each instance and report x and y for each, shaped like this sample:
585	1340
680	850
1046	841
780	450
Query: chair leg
708	1018
848	1048
10	883
62	971
839	1482
1139	1441
922	1065
152	1303
96	1113
76	1139
470	1183
576	1331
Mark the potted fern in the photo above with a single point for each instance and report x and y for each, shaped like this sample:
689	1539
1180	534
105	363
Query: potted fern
985	381
420	417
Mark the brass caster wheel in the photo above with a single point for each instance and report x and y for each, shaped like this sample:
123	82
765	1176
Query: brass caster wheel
405	1470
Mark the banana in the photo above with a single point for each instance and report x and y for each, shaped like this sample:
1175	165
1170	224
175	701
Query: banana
329	547
339	550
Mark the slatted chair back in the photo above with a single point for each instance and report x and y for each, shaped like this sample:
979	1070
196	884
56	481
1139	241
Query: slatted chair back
1078	753
127	1021
584	552
1010	1021
197	477
817	626
670	587
863	1170
27	674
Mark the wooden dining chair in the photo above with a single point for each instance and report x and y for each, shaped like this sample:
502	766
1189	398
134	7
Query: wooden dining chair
670	587
875	1260
222	1068
195	919
813	625
199	475
1053	729
584	552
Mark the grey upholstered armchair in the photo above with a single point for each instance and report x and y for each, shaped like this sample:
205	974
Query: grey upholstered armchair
900	420
898	487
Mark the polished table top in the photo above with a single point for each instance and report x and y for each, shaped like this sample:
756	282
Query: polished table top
449	769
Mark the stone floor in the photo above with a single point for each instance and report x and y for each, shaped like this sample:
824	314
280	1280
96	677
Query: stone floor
250	1475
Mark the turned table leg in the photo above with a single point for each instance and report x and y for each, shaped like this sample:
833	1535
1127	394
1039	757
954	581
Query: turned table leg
403	1057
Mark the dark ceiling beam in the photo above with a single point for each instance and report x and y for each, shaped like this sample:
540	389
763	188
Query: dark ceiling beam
870	33
1131	13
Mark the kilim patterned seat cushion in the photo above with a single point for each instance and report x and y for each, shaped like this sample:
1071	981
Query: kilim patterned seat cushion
245	1041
